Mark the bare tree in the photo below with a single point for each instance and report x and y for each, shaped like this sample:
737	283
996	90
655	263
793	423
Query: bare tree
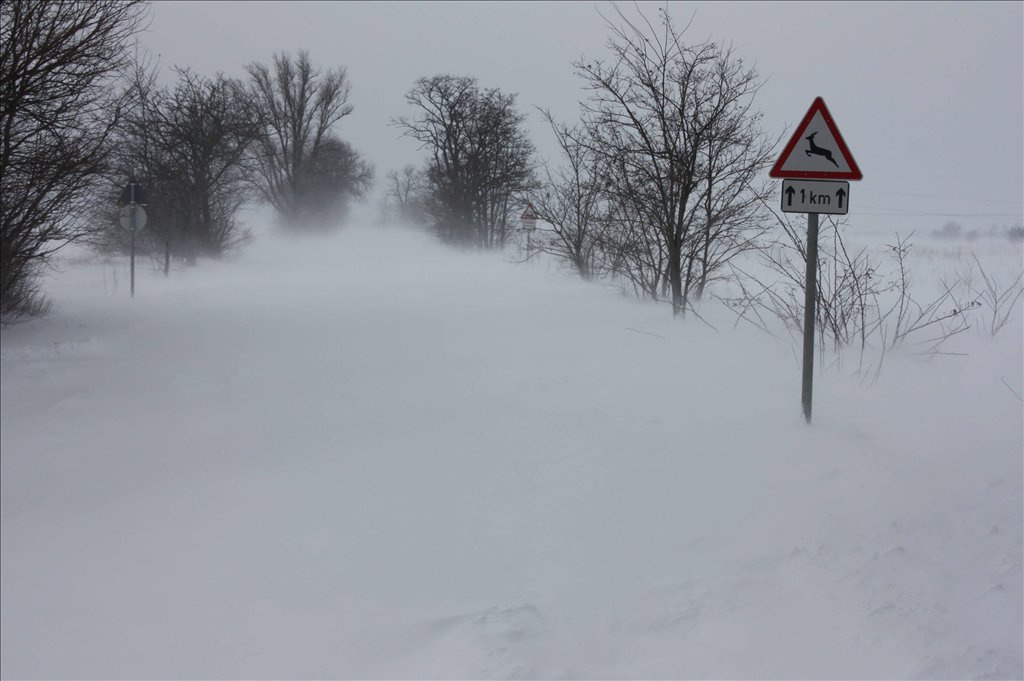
674	122
442	127
404	195
59	105
481	158
336	174
732	212
503	166
635	251
308	174
573	202
187	146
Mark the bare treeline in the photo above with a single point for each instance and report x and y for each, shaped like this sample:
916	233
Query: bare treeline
59	110
481	161
660	183
80	117
657	183
209	145
187	145
305	170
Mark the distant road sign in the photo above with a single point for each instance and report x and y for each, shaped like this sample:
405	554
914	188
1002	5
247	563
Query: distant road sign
817	150
139	214
133	192
815	196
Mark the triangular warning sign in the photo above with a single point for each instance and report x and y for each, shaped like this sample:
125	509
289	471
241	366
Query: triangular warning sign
817	150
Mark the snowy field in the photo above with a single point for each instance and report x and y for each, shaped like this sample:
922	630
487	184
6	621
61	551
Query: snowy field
371	456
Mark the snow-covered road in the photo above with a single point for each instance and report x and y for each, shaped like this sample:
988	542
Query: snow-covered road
370	456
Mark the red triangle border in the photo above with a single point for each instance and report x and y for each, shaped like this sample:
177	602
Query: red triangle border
852	174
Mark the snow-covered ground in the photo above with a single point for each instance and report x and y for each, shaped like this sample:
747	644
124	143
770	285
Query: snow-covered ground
371	456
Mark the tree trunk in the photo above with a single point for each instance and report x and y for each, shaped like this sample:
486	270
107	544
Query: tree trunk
689	280
708	220
675	276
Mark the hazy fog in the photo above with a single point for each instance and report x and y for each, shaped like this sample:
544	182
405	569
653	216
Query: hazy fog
372	455
928	95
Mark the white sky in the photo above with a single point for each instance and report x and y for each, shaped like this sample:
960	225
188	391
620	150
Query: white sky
927	95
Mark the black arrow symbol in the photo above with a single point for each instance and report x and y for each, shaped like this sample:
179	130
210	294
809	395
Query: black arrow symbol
789	195
841	193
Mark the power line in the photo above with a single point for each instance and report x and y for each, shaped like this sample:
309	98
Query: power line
945	215
900	211
933	196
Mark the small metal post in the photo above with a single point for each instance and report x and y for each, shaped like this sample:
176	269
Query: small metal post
134	213
810	307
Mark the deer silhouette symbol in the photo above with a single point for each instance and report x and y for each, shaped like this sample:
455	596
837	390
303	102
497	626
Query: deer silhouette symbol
819	151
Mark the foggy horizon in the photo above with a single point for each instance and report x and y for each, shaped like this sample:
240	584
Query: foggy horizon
927	95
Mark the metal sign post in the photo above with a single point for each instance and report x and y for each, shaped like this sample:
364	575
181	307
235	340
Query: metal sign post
133	227
815	156
133	218
810	299
529	220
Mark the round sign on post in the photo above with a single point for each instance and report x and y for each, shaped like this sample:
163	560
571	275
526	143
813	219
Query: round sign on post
136	211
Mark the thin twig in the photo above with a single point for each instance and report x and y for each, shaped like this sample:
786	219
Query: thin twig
1016	394
646	333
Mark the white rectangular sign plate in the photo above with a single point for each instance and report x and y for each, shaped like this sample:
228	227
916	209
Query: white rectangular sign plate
815	196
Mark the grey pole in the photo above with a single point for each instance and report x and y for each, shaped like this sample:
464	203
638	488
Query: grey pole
133	222
810	306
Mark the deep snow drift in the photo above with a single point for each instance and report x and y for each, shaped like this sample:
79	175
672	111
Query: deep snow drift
371	456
